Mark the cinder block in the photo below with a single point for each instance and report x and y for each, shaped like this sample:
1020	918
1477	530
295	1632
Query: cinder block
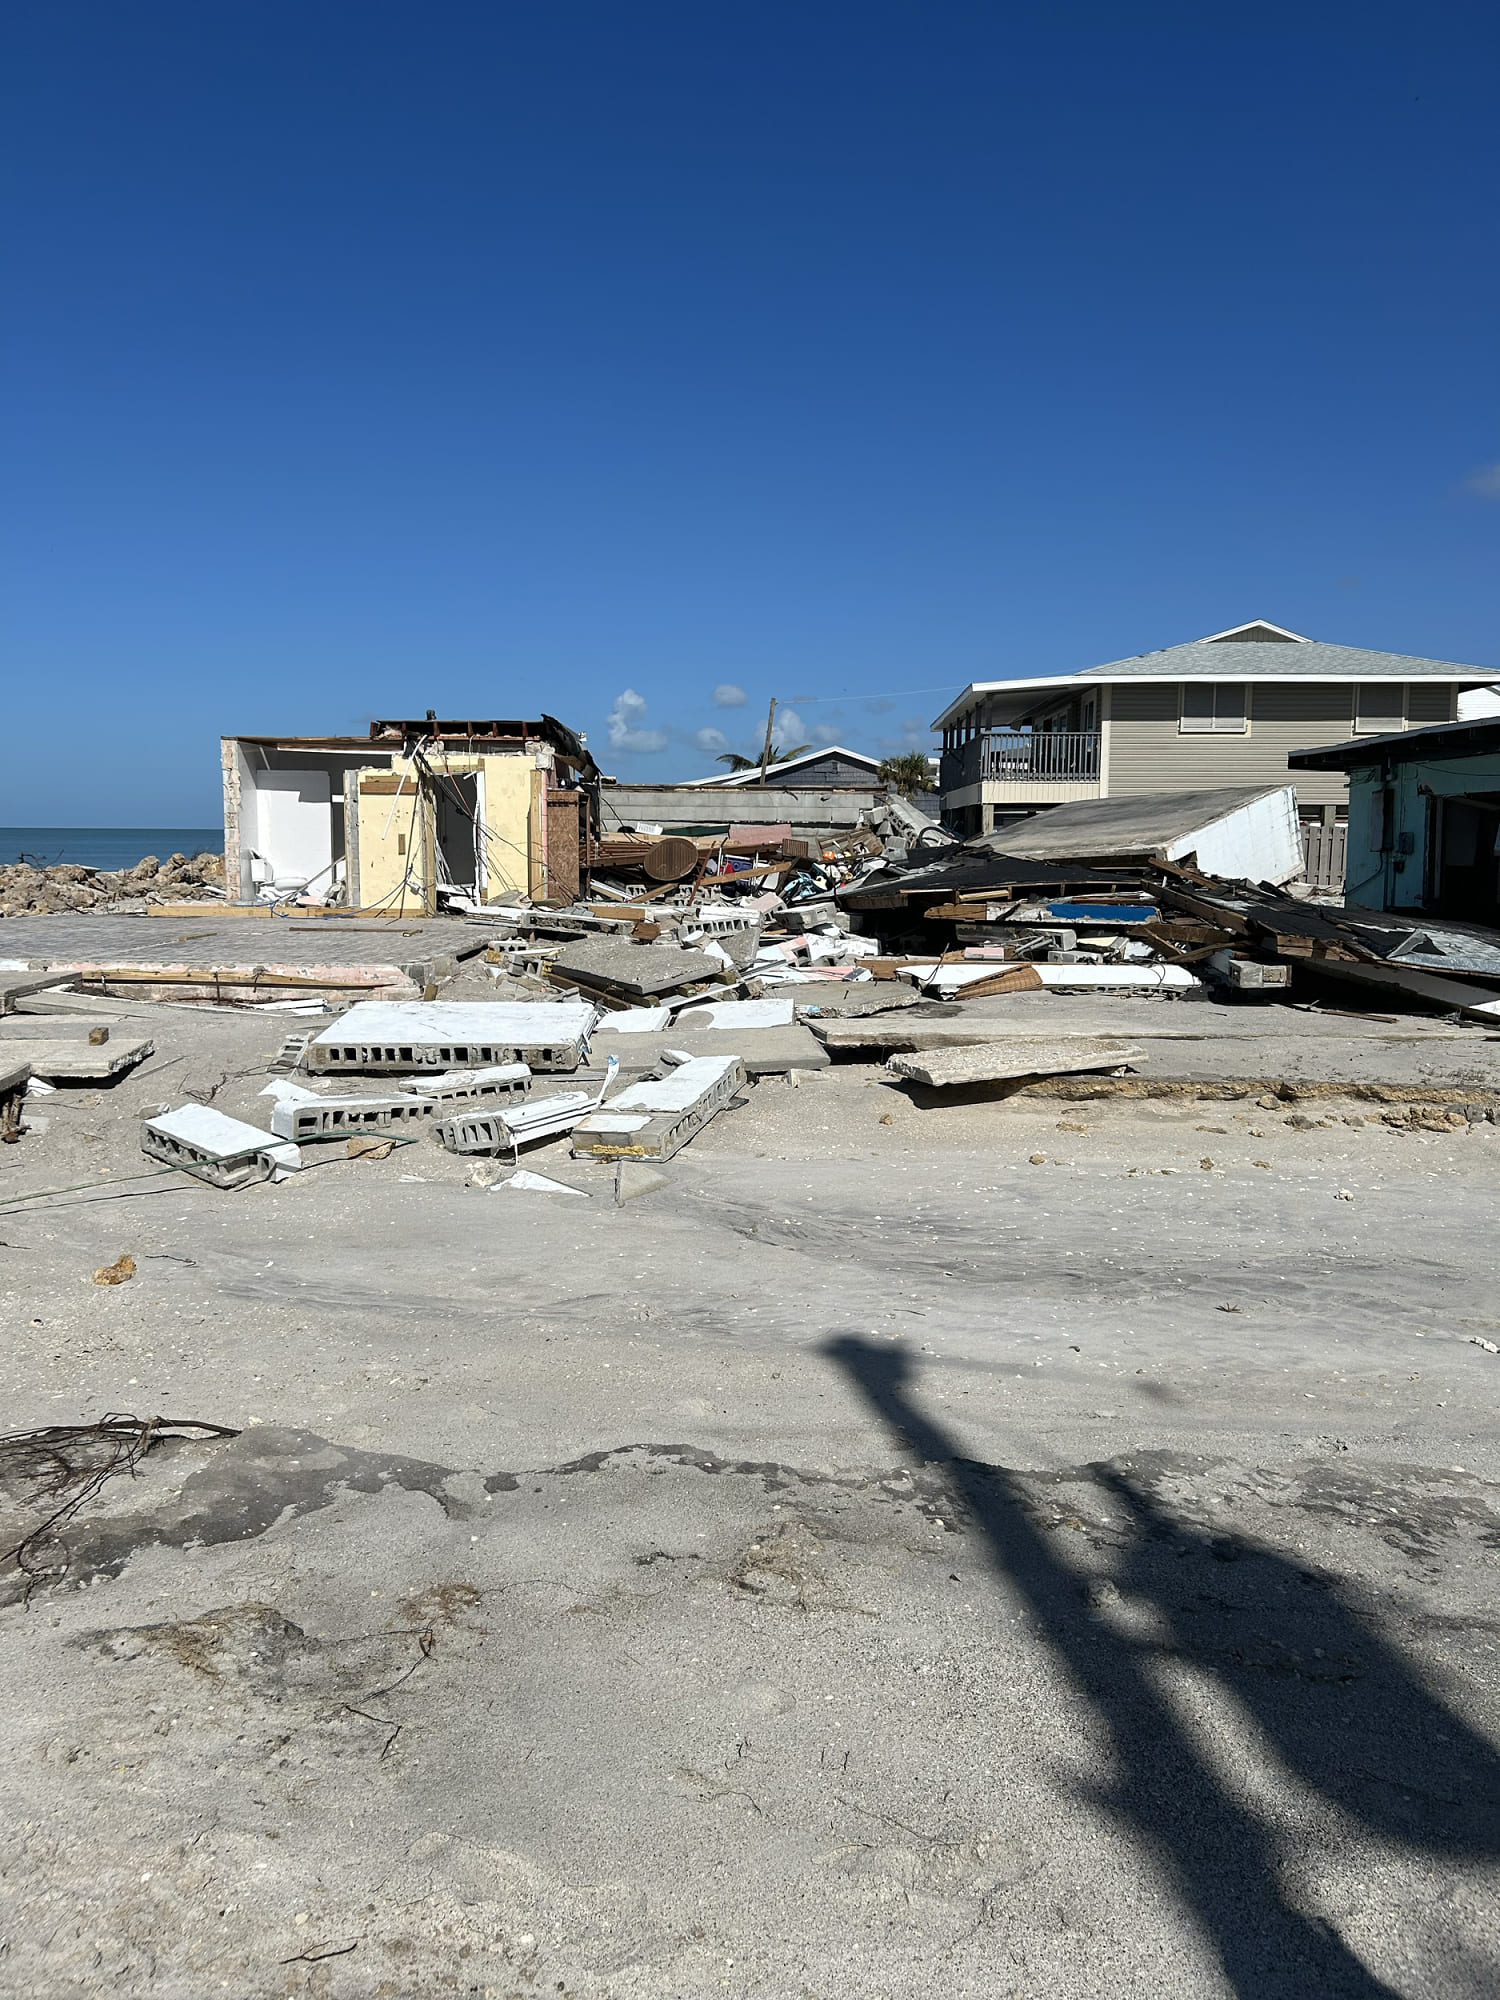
212	1147
335	1117
482	1130
469	1086
652	1121
381	1036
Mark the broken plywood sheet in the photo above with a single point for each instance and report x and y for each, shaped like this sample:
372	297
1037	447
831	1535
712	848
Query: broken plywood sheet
998	1062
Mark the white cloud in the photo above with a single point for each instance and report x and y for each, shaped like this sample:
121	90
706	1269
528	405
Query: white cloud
825	733
1485	481
711	739
628	711
727	695
790	727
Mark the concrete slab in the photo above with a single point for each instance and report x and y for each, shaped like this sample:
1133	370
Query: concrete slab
333	951
76	1059
739	1014
855	997
390	1036
640	1020
639	970
933	1024
996	1062
20	985
764	1051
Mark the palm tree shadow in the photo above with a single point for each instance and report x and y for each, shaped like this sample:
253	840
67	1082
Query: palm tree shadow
1322	1663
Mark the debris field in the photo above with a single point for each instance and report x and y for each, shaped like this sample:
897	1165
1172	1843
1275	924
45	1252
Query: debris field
899	1419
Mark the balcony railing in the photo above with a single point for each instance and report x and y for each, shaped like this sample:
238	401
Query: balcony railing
1039	757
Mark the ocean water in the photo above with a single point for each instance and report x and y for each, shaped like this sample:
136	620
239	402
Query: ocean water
104	846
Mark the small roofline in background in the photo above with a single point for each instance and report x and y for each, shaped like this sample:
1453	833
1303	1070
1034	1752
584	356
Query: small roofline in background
1251	625
787	764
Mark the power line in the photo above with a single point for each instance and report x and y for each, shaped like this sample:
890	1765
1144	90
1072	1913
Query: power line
862	694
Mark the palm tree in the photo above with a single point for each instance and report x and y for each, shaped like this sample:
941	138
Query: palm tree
907	773
738	763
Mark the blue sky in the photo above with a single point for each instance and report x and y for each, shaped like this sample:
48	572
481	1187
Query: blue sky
366	358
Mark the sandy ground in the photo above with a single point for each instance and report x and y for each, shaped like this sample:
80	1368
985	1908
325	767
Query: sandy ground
1001	1548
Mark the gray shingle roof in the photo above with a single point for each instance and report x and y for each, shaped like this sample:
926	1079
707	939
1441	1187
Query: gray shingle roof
1251	660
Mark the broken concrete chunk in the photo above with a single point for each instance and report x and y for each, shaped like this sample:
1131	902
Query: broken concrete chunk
462	1086
506	1128
637	970
764	1051
654	1120
737	1014
994	1062
531	1183
639	1020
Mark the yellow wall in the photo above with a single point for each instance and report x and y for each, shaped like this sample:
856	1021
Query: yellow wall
509	823
393	844
514	828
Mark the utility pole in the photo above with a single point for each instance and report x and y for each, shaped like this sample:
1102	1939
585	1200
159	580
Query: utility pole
765	755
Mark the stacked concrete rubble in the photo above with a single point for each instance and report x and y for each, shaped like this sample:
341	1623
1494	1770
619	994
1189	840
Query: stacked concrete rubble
628	1020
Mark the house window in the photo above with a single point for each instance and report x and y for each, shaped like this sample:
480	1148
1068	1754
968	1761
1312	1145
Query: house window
1379	707
1213	708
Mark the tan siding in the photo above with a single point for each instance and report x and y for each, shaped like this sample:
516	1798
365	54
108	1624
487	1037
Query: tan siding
1148	754
1430	704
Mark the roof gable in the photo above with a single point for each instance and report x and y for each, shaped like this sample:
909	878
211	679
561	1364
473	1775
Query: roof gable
1258	631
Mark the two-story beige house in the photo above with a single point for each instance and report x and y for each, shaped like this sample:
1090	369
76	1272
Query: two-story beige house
1225	710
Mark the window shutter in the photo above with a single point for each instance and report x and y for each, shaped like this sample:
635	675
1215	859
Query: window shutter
1229	707
1215	707
1197	707
1379	706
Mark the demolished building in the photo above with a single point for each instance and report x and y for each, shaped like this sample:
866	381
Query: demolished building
416	816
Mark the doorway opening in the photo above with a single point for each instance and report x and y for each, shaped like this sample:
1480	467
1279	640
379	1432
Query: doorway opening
458	814
1466	858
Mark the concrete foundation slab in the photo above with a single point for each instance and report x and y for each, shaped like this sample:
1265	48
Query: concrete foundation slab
188	953
860	996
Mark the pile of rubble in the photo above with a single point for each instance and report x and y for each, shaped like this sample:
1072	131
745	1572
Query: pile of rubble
626	1021
27	889
394	1068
